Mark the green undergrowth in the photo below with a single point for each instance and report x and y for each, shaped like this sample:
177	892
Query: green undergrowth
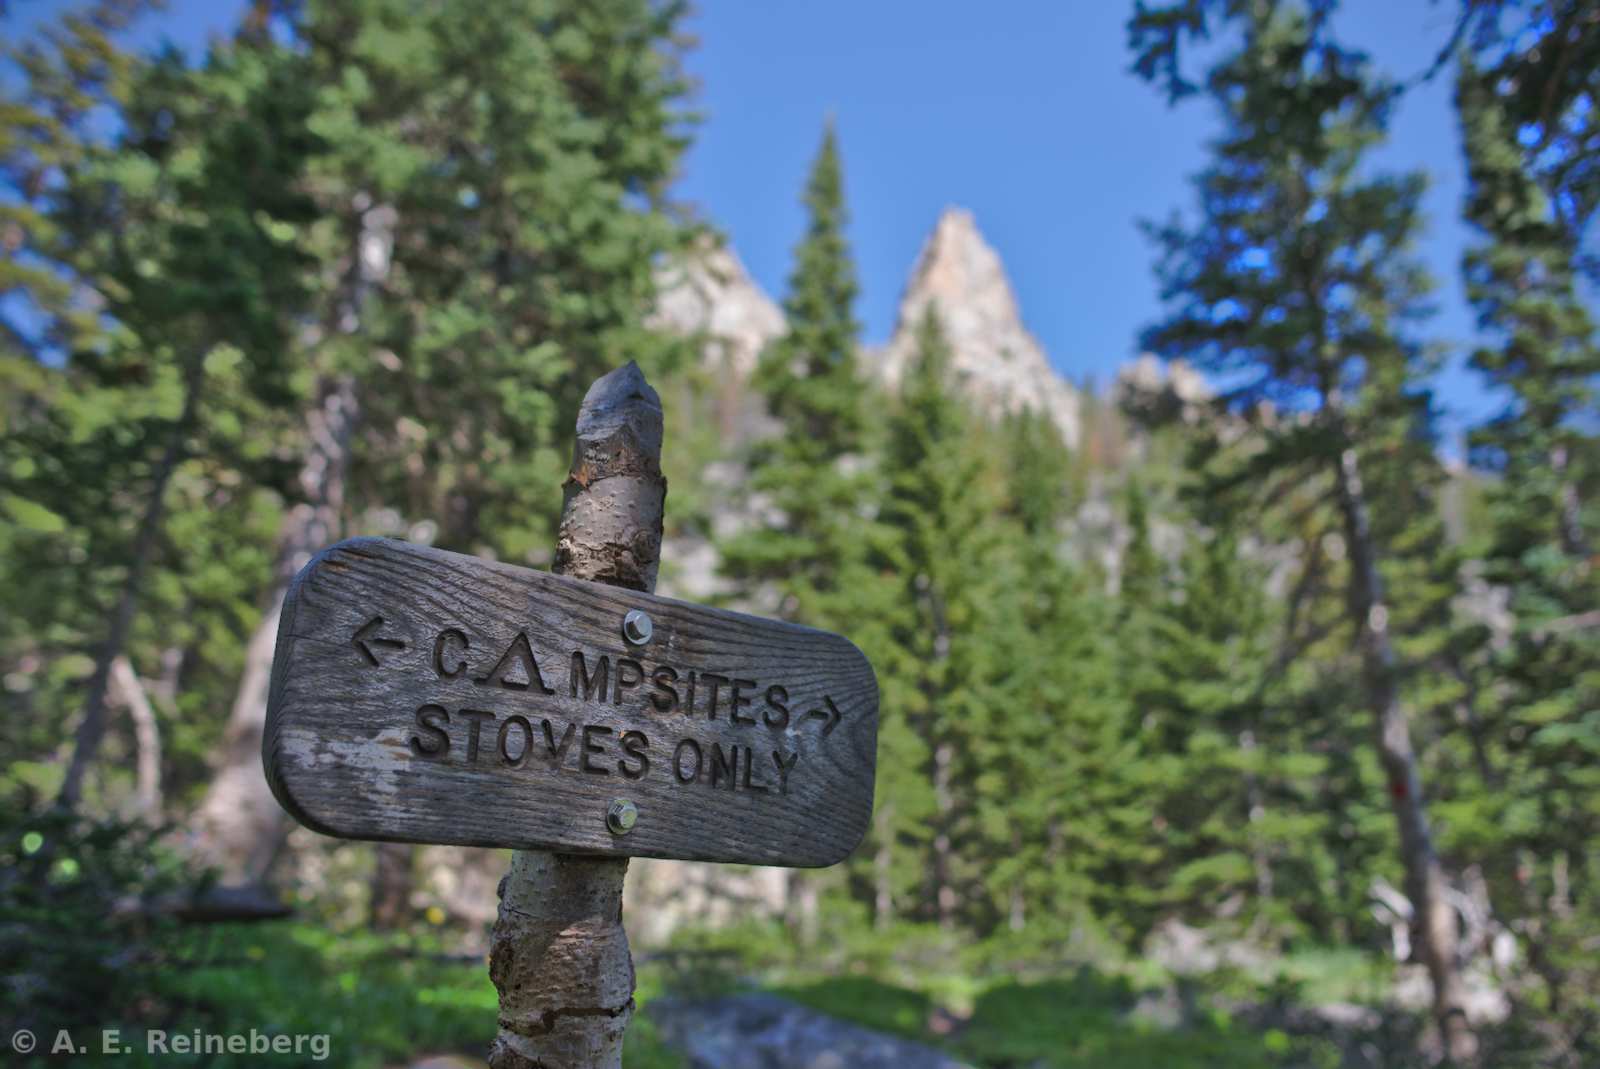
1083	1021
390	1000
380	1000
1053	1004
1073	1023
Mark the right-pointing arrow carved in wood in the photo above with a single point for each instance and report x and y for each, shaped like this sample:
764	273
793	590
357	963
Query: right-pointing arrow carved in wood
365	635
831	714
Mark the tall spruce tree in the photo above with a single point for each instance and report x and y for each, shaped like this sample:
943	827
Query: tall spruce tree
952	563
815	471
1528	109
1205	732
492	199
1297	281
173	337
1052	801
53	509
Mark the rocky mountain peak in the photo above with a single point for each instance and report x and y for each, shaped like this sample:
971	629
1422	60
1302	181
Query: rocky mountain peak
995	359
993	355
710	295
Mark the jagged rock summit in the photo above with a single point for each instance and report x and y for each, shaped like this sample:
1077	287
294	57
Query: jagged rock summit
1154	389
710	295
993	355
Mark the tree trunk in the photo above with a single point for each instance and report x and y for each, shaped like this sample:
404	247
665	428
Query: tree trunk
1255	813
944	894
1425	879
241	826
1561	886
1017	914
1569	512
560	958
801	912
391	886
92	728
164	687
146	737
882	868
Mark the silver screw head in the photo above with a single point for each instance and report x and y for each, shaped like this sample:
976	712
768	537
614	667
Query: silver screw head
636	627
621	816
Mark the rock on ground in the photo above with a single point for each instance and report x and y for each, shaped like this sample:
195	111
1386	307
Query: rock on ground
758	1031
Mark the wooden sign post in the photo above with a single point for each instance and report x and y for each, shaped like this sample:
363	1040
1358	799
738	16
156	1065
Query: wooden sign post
424	696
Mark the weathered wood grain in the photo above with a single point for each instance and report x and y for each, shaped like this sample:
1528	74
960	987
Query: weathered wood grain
374	631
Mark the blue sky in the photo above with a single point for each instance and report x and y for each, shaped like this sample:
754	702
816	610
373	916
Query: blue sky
1027	116
1023	112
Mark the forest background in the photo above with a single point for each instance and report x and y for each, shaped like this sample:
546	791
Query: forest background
1242	696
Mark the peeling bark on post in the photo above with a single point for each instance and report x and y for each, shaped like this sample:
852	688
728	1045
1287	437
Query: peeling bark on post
560	957
615	495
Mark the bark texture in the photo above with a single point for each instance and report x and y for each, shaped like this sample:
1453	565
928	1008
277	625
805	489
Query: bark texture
944	892
560	957
1434	918
614	497
1571	507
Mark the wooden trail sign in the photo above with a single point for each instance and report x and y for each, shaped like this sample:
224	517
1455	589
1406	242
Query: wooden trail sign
425	696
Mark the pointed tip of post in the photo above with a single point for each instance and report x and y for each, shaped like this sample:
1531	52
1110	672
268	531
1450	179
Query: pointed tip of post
618	386
620	396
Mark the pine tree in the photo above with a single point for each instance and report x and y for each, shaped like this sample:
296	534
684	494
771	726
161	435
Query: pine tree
491	200
170	230
1297	280
1528	119
815	472
949	557
46	537
813	469
1221	764
1050	798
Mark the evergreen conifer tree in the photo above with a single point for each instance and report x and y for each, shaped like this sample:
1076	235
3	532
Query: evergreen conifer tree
491	198
1298	280
1528	120
171	345
1052	802
948	557
816	470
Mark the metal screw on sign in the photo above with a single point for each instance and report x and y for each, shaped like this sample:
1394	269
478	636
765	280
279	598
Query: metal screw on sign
621	816
636	627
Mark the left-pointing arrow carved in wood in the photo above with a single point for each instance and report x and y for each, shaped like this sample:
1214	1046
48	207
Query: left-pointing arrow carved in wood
831	714
360	639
